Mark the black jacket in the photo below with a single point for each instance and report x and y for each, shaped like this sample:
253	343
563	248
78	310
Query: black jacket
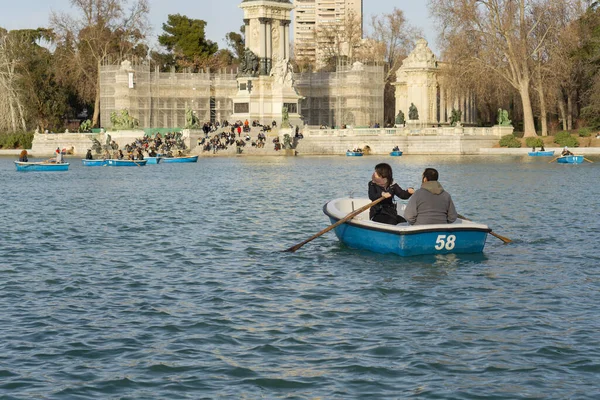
386	206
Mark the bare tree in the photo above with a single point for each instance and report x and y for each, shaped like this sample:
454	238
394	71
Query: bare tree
496	36
102	29
339	40
395	38
12	112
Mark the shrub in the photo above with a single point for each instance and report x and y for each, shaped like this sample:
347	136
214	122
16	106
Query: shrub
585	132
565	139
16	140
510	141
534	142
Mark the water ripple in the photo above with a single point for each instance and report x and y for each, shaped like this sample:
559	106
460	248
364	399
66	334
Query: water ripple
170	283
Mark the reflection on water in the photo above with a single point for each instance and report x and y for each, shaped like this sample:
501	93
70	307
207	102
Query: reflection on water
168	281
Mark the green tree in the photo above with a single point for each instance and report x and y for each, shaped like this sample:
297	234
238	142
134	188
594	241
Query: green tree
33	96
237	43
185	39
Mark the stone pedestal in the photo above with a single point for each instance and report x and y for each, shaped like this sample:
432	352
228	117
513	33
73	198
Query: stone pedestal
502	130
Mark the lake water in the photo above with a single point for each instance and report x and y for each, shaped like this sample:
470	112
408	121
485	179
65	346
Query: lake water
168	282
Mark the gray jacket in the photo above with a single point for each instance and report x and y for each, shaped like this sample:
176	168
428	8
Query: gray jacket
430	205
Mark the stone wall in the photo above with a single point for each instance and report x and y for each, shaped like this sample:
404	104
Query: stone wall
384	144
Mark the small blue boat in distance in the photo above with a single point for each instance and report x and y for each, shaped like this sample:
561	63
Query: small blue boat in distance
462	236
153	160
570	160
93	163
396	153
541	153
354	153
185	159
125	163
41	166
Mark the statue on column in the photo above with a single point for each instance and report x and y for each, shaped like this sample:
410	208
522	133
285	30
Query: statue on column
249	64
455	117
285	118
400	118
503	118
413	113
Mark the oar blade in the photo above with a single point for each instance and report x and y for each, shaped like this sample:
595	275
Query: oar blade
503	238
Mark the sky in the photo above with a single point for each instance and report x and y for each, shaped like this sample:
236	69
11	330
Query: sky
222	16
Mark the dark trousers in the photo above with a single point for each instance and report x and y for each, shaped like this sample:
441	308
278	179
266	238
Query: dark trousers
388	219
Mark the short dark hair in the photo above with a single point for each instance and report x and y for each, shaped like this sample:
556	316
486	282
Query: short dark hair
431	174
385	171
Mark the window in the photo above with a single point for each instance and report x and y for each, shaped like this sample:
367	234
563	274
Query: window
241	108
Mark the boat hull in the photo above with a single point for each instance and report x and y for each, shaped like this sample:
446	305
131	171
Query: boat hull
153	160
93	163
125	163
541	153
354	154
41	166
403	239
570	160
171	160
396	153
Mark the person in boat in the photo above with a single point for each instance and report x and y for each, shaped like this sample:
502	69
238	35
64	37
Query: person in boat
140	155
431	204
542	148
533	149
566	152
120	155
396	148
152	152
382	184
88	155
23	156
60	157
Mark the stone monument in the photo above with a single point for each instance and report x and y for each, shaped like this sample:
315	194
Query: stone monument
265	79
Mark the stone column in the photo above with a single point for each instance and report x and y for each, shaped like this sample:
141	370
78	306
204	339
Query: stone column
263	46
442	105
269	33
286	39
247	30
282	39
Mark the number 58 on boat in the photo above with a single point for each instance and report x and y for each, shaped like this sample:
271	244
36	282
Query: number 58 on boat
461	236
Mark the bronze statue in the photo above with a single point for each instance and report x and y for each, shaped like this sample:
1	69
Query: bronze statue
400	118
413	113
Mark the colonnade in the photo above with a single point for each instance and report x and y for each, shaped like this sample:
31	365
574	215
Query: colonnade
266	52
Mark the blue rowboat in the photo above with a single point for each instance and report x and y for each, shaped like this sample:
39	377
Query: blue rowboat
153	160
180	159
125	163
396	153
570	160
541	153
462	236
93	163
354	153
41	166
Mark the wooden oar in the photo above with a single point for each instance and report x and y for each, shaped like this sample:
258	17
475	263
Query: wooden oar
588	160
556	158
330	227
503	238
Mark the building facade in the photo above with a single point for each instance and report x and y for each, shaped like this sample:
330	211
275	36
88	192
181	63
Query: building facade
352	95
419	82
311	17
